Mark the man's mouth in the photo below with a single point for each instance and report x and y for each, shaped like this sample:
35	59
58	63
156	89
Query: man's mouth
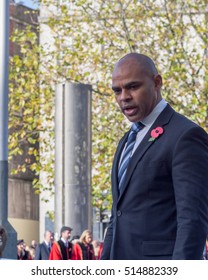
129	111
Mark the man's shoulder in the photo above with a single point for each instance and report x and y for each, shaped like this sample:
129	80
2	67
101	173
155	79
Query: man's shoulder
185	123
180	119
40	245
59	242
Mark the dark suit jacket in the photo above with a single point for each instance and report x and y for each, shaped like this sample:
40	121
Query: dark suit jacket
42	252
162	210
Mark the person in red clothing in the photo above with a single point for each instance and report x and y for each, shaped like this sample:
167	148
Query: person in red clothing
100	250
83	249
62	249
98	246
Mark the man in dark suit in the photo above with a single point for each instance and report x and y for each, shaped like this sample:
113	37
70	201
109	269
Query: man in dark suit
160	198
43	249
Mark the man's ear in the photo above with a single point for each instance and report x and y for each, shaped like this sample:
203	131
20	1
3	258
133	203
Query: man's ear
158	81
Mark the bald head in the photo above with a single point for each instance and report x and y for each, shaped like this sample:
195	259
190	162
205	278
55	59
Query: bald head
145	62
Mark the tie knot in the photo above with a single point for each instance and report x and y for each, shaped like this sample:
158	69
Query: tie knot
137	126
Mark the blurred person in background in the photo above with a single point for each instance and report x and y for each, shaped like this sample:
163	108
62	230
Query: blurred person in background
22	253
43	249
3	240
83	249
62	249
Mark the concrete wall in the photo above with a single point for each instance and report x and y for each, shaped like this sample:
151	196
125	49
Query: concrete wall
26	229
23	209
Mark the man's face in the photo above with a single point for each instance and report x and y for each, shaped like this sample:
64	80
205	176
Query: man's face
66	234
136	91
49	237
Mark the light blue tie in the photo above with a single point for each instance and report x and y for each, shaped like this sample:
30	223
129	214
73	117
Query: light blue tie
128	151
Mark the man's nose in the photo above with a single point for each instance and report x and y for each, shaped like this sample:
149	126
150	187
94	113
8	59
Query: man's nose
125	94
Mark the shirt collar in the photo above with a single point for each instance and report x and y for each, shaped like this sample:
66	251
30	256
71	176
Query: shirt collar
150	119
65	241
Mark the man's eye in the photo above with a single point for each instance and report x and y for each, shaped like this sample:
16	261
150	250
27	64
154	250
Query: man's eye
133	87
117	91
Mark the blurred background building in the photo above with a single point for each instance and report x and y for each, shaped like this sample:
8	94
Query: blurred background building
23	204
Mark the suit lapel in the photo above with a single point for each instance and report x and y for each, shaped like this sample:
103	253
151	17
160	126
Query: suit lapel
162	120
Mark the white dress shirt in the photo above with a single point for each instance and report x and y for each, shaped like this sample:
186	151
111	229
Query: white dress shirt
148	122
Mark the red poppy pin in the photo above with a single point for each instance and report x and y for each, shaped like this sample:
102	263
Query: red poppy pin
155	133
